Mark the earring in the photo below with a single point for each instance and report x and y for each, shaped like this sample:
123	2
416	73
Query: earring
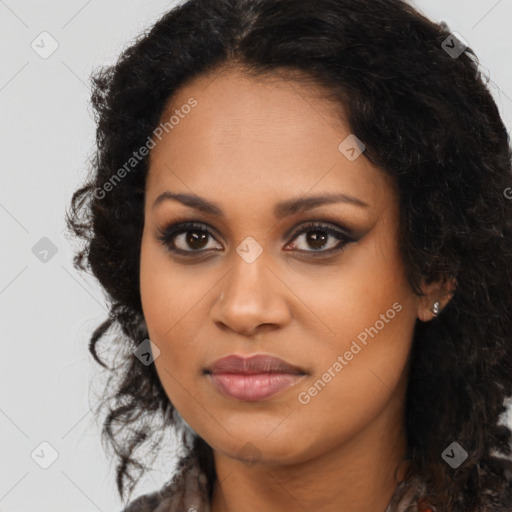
436	308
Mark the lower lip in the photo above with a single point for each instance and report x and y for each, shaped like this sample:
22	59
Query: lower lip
251	388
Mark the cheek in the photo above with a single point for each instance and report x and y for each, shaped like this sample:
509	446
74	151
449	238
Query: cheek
357	375
172	302
369	329
168	293
365	292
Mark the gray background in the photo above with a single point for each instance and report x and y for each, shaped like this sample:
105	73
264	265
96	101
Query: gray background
48	380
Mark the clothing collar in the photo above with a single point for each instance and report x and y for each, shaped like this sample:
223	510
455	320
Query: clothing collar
188	492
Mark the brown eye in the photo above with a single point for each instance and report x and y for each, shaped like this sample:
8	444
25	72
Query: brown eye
322	238
185	238
196	239
192	239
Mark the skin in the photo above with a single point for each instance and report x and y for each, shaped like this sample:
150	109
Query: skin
246	146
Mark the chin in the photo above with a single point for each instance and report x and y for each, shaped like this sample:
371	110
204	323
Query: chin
262	449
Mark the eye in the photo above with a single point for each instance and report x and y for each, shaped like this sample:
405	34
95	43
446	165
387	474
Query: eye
188	238
317	237
180	237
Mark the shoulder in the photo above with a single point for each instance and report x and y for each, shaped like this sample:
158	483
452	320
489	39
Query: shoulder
187	491
146	503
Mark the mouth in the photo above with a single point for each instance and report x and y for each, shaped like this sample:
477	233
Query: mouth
256	364
254	378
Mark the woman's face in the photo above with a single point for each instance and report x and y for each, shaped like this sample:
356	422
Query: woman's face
332	301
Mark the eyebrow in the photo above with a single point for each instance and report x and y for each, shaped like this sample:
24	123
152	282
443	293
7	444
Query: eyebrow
282	209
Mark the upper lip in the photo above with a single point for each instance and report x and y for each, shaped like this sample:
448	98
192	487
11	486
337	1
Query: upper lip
258	363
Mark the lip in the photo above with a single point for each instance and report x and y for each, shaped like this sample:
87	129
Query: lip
257	363
252	378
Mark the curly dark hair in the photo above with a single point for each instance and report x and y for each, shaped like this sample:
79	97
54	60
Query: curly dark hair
426	118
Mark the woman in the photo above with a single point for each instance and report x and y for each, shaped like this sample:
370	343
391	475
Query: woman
299	212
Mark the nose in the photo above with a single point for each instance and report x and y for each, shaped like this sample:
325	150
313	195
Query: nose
252	299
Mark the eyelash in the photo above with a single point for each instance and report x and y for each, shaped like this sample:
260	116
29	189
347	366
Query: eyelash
174	228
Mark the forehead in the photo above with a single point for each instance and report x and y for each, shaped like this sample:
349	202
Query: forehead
265	137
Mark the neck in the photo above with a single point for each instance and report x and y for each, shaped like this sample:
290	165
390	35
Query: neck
359	475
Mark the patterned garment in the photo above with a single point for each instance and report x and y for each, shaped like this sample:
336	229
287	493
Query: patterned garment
187	492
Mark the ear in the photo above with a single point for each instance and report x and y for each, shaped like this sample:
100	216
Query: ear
440	291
